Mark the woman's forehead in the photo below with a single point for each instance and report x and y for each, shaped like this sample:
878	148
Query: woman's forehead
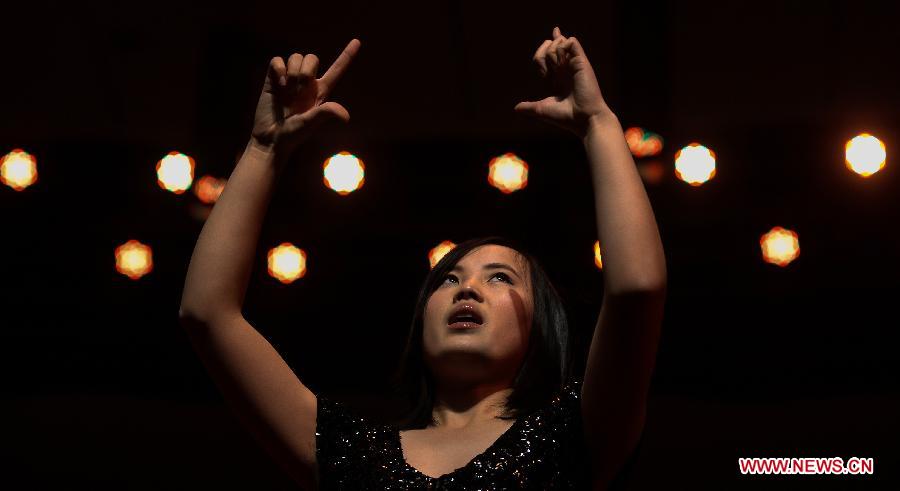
492	253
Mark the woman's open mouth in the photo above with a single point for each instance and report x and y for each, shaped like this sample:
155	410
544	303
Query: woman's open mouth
464	325
465	317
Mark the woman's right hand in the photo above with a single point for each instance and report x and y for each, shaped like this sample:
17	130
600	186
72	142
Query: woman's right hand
292	103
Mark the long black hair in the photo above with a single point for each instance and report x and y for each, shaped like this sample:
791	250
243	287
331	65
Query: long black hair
548	362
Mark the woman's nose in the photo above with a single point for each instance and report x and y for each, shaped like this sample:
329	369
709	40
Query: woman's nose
466	292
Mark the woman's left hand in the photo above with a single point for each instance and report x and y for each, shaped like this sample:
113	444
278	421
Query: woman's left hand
576	94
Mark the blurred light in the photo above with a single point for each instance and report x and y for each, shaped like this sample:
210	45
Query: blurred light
508	173
695	164
439	251
175	172
134	259
344	173
286	262
199	211
643	143
779	246
865	155
598	260
651	171
209	188
18	169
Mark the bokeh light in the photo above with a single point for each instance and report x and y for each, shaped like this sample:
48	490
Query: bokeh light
209	188
175	172
134	259
508	173
439	251
651	171
695	164
865	154
344	173
643	143
286	262
598	259
780	246
18	169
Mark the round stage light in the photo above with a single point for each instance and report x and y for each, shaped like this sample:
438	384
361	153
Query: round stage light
175	172
508	173
695	164
18	169
134	259
344	173
439	251
286	262
865	155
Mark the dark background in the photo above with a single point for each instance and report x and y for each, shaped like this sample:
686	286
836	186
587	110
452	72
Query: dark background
101	388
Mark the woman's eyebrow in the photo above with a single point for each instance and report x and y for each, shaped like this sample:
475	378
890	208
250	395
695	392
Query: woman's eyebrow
491	266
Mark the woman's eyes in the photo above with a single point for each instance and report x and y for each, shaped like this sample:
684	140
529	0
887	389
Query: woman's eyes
503	275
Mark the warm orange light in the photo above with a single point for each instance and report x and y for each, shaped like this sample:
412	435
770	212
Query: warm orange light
865	155
780	246
508	173
175	172
598	260
344	173
695	164
134	259
18	169
643	143
651	171
439	251
286	262
209	188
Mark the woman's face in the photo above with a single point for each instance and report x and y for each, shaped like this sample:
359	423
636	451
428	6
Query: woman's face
492	282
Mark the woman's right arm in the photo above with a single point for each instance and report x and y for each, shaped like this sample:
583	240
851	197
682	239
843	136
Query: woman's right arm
261	388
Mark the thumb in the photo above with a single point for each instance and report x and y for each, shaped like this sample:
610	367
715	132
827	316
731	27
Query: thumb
330	111
309	120
530	107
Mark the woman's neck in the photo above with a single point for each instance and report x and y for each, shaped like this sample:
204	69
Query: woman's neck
471	406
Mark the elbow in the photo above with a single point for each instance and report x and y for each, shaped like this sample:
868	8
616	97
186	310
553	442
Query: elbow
196	317
189	318
647	287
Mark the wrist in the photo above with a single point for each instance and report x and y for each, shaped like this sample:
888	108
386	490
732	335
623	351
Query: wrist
268	153
598	122
259	148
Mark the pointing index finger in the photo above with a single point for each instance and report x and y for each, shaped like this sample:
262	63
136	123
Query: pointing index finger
340	64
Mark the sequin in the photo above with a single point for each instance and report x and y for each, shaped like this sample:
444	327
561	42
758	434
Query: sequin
542	450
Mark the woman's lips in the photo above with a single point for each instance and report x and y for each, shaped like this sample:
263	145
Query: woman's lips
464	325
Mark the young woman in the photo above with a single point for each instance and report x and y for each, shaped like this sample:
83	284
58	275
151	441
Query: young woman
486	365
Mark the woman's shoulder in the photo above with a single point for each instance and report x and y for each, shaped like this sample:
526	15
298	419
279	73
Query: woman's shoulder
560	414
572	387
347	440
338	416
569	396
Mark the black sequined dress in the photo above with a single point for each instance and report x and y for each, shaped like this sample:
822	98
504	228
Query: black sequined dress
543	450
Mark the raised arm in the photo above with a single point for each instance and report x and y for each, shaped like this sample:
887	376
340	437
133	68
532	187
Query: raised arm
264	392
623	349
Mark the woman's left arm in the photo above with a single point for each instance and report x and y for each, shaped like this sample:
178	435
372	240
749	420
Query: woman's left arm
623	349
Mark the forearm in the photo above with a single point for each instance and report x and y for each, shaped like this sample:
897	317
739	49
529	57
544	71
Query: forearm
220	265
633	257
